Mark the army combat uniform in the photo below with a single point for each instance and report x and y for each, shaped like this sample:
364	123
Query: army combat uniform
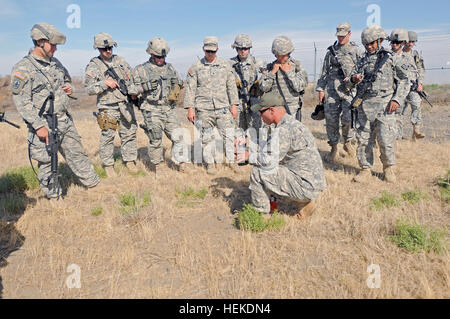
211	91
114	108
159	87
417	74
295	171
339	98
33	80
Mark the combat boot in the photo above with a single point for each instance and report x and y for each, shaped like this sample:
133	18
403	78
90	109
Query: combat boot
334	153
306	210
211	169
363	175
348	148
389	175
182	167
131	166
416	133
110	172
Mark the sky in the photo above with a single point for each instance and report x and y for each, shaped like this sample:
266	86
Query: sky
184	24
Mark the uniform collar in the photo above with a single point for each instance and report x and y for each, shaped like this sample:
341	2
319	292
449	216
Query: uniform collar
41	60
283	120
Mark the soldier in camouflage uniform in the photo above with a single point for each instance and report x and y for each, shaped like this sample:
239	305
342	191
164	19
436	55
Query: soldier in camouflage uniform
417	76
339	61
378	97
159	85
251	69
285	76
398	39
114	110
212	99
33	80
288	164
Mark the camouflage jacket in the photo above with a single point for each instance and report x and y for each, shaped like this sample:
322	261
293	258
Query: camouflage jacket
166	78
292	84
32	81
95	80
332	78
210	86
391	81
297	151
417	66
252	68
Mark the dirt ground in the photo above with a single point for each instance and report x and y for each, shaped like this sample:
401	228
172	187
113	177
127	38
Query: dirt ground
170	250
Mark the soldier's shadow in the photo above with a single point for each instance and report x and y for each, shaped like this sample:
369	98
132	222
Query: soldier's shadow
240	195
13	203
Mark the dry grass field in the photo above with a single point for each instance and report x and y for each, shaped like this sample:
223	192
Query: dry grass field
179	239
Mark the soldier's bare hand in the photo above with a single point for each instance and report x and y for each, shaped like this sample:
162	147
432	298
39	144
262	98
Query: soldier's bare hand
393	106
321	96
285	67
420	87
357	78
111	83
42	133
67	88
191	115
275	68
233	111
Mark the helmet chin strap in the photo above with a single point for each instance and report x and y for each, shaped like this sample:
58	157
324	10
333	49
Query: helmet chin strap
45	52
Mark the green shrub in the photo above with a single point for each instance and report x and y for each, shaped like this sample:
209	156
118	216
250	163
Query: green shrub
18	180
130	203
13	203
414	237
100	170
413	197
250	219
189	197
97	211
385	201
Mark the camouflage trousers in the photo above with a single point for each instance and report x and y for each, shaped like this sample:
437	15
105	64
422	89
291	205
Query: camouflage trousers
73	152
127	134
282	183
247	119
415	101
338	108
158	122
383	128
207	120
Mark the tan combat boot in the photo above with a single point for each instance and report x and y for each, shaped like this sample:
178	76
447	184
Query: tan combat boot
182	167
416	133
363	175
211	169
334	154
131	166
306	210
389	175
348	148
110	171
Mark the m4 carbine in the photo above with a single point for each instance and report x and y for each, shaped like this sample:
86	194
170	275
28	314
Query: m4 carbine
422	94
122	85
2	119
244	93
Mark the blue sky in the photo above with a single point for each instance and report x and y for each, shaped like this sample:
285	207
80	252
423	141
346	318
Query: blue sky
184	24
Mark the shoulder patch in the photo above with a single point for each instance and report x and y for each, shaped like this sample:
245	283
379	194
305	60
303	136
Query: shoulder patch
17	84
190	72
19	76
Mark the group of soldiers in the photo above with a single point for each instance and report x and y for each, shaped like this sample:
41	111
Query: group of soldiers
232	96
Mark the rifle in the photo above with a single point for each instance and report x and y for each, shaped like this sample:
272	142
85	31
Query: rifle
53	139
122	85
2	119
422	94
334	54
365	87
244	93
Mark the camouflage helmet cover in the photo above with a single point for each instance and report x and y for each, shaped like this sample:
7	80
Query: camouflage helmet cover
103	40
46	31
282	45
412	36
399	35
158	47
242	41
372	33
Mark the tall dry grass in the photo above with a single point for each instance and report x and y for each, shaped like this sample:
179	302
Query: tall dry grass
167	250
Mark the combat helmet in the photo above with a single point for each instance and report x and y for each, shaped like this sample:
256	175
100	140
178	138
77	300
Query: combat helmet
412	36
103	40
372	33
46	31
282	45
242	41
399	35
158	47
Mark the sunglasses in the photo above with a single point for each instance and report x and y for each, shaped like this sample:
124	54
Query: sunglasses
243	49
210	51
261	112
396	42
158	57
106	49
